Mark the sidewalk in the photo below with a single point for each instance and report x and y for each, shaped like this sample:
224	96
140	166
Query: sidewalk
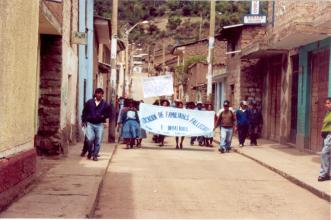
299	167
68	187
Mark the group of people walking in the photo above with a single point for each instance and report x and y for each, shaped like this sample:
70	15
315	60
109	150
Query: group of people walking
246	121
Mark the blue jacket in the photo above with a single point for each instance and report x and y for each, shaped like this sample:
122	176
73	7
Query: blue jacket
95	114
242	117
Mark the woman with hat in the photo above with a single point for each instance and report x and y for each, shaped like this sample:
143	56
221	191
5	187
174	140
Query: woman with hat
164	103
179	104
130	122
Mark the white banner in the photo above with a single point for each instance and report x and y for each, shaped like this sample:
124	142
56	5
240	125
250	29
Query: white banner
158	86
175	121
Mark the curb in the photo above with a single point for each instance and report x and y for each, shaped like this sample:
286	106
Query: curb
287	176
91	212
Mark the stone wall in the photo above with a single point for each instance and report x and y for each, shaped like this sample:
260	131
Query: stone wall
48	139
252	76
196	78
201	48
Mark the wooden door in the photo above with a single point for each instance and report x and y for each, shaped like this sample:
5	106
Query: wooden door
319	63
275	97
294	98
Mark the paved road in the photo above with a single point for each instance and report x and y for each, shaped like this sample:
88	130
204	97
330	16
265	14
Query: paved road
198	182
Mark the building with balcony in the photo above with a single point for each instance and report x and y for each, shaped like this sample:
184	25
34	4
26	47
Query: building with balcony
286	68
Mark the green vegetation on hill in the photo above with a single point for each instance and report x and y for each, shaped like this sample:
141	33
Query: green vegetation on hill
173	20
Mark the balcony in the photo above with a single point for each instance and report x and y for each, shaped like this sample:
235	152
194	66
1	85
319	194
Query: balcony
50	19
298	23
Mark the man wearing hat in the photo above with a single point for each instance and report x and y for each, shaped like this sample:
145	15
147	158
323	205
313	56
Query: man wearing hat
242	115
227	121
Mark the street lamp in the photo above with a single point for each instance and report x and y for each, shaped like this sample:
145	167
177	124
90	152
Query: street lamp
127	52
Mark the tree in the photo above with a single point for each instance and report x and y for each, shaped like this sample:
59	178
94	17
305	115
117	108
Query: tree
173	22
181	71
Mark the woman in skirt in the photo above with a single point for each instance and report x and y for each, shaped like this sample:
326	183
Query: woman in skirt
130	122
143	134
164	103
179	104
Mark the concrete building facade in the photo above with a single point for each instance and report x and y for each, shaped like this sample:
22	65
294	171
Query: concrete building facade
18	82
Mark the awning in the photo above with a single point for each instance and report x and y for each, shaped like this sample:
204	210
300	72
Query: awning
229	31
104	67
199	86
50	18
298	34
102	30
260	50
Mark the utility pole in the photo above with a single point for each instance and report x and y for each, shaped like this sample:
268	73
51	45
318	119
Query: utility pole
113	86
211	46
126	63
163	58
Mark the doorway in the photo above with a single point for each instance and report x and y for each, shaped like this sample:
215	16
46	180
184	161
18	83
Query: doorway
319	64
294	98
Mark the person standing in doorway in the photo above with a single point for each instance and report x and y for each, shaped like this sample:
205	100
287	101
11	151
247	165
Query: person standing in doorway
227	120
326	135
242	115
94	116
255	122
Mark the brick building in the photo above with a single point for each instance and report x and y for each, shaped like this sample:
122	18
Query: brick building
196	89
285	66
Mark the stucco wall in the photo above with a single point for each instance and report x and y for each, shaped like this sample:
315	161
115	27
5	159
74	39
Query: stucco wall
69	68
18	63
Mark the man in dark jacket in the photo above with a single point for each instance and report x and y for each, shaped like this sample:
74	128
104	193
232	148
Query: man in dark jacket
255	122
242	115
94	116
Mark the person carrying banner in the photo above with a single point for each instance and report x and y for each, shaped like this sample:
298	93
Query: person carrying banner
209	138
130	125
227	120
201	139
179	104
164	103
155	136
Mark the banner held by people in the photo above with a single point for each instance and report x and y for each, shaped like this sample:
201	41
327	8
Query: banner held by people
158	86
175	122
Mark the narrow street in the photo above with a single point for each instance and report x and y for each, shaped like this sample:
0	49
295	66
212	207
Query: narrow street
198	182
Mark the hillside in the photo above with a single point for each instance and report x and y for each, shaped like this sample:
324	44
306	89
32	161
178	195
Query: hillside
172	21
